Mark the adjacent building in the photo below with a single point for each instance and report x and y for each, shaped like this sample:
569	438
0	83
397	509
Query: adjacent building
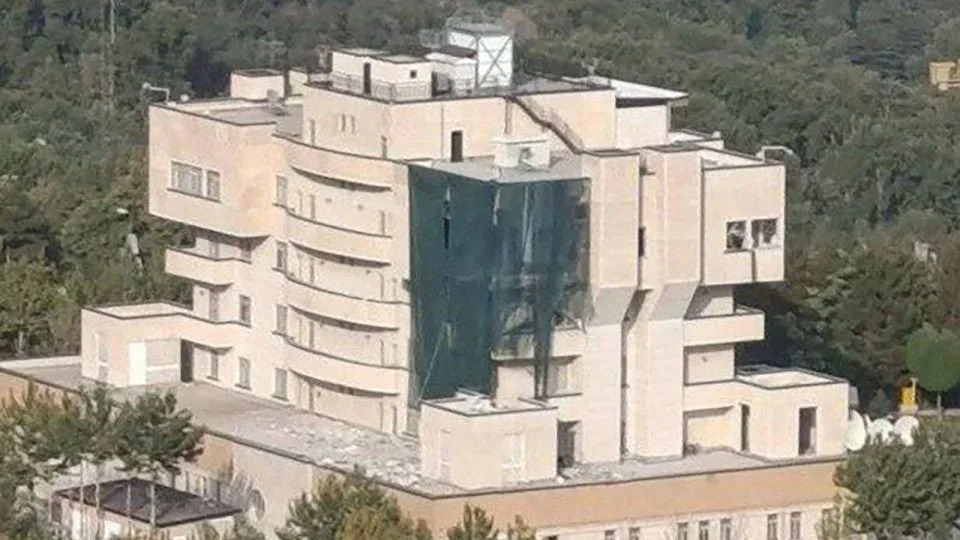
517	291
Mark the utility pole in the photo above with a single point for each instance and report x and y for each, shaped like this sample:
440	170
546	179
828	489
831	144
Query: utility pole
113	41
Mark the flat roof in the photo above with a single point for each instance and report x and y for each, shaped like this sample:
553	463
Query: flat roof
258	72
632	90
480	28
361	51
241	112
173	507
390	459
403	59
563	166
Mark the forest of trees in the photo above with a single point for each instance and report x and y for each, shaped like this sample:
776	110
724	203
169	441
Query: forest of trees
841	82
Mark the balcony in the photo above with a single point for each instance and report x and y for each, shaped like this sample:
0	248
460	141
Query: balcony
351	168
374	348
356	375
341	307
195	266
339	241
744	324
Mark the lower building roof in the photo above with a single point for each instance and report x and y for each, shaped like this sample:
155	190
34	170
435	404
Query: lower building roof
173	507
389	459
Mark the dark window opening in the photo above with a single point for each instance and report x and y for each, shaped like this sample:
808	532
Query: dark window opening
566	444
186	361
367	81
641	242
456	146
807	437
413	74
744	428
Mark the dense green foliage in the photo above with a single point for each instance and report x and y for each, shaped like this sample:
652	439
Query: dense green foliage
44	435
350	509
933	357
905	492
841	82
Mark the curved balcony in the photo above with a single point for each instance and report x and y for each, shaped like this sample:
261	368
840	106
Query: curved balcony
338	241
369	378
362	170
374	348
194	266
341	307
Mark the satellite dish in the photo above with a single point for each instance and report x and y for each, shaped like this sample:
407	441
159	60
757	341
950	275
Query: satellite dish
856	432
904	428
880	430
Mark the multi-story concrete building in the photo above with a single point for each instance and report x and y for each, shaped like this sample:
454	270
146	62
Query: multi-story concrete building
519	291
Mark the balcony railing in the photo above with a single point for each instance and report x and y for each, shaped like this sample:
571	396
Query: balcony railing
744	324
379	89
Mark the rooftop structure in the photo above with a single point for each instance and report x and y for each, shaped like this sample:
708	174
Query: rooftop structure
473	283
177	512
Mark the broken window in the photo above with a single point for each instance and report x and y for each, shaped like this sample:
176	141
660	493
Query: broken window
736	234
764	232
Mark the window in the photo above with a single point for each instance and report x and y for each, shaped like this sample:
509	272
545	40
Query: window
281	191
312	327
313	131
214	307
764	232
281	319
610	534
807	434
214	372
186	178
213	248
313	207
413	74
794	525
641	242
342	123
772	526
245	309
633	533
213	185
703	530
299	203
513	458
736	234
726	529
683	531
243	373
246	252
280	383
281	257
313	270
353	124
561	377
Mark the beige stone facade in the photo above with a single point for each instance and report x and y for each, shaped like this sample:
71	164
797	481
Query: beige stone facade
298	192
